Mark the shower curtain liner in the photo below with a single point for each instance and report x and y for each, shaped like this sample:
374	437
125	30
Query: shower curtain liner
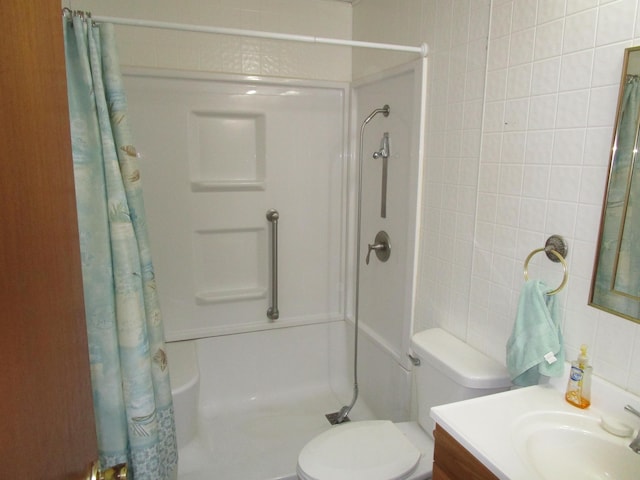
130	376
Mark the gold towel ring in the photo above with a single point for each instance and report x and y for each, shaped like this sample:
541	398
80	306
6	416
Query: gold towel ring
551	248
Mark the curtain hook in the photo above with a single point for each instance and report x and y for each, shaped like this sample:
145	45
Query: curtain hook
90	19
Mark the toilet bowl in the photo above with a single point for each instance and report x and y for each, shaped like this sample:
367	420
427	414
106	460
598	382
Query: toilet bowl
450	370
371	450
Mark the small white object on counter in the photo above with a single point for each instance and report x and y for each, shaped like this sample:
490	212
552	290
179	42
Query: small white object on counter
616	426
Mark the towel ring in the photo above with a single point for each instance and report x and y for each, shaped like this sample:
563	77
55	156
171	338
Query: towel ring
555	248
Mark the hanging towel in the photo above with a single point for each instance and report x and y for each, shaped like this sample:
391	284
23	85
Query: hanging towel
535	346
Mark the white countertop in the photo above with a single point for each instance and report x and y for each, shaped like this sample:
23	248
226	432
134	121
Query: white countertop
485	425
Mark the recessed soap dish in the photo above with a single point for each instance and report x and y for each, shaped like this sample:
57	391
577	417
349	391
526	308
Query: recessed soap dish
615	426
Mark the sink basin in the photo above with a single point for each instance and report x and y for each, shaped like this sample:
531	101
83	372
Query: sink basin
566	445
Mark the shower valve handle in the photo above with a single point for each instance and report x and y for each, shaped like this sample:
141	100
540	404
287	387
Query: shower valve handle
377	247
382	247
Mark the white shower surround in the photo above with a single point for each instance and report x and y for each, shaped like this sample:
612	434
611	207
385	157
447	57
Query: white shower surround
254	378
218	152
387	290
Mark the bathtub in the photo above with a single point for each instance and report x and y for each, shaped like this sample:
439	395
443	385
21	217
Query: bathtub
246	404
185	388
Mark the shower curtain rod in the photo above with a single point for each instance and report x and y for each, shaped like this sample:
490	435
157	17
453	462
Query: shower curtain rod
422	49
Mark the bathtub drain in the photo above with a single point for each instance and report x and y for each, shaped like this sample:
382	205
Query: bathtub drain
333	418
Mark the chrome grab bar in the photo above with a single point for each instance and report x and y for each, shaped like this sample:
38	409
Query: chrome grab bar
272	311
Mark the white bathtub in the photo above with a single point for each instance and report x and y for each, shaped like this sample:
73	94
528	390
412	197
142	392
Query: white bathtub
259	398
185	389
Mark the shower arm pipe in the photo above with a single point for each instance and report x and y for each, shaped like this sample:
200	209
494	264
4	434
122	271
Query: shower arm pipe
344	411
132	22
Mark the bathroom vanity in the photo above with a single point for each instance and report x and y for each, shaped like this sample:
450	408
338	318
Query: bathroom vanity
534	434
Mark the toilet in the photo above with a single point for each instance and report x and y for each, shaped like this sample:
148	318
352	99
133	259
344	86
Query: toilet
449	371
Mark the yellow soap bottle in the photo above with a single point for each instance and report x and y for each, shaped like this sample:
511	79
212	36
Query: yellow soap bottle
579	385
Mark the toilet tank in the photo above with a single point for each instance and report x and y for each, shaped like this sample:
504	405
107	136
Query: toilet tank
451	370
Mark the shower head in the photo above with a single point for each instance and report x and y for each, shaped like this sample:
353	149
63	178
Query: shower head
384	110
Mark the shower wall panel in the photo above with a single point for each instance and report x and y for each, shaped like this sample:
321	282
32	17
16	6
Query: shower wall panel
387	288
217	153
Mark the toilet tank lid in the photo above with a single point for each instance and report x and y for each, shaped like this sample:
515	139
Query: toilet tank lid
459	360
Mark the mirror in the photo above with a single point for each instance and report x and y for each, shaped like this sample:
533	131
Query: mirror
615	286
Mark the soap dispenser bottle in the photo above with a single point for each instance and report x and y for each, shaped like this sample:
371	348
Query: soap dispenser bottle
579	385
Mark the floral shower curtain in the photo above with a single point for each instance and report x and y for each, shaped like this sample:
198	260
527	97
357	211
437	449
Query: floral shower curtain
130	376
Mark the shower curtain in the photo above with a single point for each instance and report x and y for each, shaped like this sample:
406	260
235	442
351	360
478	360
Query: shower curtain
129	371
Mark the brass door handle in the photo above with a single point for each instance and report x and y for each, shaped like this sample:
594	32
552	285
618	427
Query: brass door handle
117	472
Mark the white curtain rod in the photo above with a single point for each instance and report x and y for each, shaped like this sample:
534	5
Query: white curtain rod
422	49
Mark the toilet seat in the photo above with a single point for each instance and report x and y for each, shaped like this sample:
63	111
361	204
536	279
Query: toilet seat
366	450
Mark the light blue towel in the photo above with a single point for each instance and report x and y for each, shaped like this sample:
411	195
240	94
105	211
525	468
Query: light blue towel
536	339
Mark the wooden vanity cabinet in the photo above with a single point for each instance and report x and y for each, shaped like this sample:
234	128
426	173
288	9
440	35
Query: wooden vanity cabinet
451	461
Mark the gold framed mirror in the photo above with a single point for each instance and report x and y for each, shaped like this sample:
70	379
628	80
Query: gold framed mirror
615	285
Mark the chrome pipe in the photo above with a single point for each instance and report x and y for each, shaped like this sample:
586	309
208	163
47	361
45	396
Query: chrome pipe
344	411
384	110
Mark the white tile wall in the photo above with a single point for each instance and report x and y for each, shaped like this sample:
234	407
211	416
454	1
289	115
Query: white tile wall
385	21
570	107
551	87
456	33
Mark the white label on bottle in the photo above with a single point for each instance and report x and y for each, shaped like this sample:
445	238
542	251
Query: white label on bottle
576	374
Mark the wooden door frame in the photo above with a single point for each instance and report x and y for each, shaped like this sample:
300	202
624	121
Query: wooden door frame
48	429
